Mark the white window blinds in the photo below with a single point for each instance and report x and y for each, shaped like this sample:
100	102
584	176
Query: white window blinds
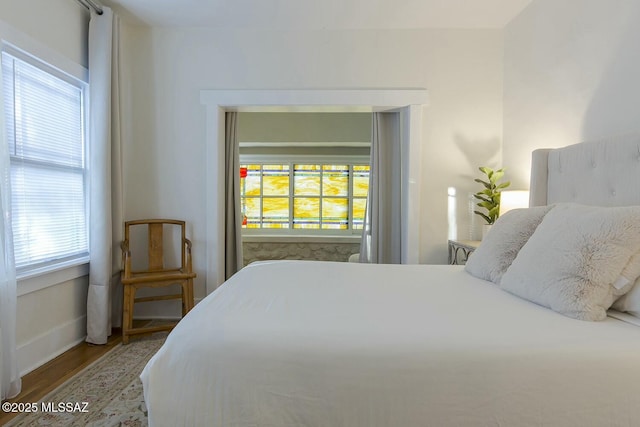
45	131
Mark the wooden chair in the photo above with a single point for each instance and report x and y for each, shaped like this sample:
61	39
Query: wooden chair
155	273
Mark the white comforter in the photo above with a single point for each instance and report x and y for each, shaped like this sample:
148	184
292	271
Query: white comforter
340	344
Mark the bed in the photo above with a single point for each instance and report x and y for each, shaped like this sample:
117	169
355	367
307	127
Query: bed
295	343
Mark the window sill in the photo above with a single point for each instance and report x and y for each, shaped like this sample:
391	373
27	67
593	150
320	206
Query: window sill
300	238
38	279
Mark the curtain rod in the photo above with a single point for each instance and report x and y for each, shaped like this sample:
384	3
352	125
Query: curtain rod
90	4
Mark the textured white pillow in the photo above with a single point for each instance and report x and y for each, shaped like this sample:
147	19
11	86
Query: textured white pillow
629	302
499	248
579	260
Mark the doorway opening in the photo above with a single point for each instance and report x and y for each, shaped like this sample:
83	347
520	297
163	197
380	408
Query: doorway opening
408	102
304	180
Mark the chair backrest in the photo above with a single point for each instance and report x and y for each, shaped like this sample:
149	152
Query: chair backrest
165	245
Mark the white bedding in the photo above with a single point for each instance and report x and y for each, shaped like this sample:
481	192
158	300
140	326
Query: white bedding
297	343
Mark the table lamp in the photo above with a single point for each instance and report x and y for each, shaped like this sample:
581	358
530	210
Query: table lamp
513	200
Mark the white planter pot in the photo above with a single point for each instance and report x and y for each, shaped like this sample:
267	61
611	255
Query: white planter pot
485	230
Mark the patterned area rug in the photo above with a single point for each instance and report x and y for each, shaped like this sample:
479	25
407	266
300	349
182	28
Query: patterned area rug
110	387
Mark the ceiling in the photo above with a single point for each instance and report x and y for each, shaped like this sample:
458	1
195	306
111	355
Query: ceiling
320	14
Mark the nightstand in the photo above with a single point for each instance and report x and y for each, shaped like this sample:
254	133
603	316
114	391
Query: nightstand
459	250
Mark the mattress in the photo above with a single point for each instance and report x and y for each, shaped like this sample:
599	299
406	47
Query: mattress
303	343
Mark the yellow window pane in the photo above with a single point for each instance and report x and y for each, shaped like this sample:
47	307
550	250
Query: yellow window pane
359	207
275	224
306	212
276	168
306	180
335	168
335	213
307	225
275	212
275	180
250	186
360	181
251	208
308	168
335	180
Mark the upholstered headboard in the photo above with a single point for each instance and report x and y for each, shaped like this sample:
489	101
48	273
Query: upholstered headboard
605	173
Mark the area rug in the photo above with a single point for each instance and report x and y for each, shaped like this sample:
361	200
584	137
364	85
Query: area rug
106	393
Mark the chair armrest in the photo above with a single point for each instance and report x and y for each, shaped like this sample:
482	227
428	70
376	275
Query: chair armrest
188	265
126	257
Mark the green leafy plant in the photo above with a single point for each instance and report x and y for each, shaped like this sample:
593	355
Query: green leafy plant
489	197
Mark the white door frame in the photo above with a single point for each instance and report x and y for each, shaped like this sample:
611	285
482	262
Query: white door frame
408	102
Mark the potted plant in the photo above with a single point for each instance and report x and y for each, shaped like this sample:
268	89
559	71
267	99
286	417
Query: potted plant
489	197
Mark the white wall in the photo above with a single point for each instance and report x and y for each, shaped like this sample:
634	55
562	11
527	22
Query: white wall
53	319
61	25
304	127
571	74
165	123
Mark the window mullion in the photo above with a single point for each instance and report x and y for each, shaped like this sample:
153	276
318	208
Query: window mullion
291	189
350	200
321	195
261	195
47	165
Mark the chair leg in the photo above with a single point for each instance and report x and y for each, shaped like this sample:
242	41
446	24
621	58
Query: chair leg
190	300
127	312
187	296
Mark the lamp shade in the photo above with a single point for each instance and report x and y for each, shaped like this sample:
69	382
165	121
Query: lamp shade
513	200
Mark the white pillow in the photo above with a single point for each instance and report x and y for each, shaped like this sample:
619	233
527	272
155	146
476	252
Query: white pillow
500	246
579	260
629	302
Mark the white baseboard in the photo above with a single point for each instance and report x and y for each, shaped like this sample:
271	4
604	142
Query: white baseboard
45	347
50	345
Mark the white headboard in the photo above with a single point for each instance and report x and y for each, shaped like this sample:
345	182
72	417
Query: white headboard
605	173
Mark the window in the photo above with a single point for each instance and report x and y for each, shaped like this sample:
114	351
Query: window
300	196
44	118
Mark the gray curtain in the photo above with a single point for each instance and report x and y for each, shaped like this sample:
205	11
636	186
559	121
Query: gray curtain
105	165
381	237
233	214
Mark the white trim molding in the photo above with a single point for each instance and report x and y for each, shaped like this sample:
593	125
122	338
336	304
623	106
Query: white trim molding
313	100
36	280
300	238
43	348
408	102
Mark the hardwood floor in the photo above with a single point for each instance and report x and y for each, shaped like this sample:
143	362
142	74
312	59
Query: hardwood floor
38	383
